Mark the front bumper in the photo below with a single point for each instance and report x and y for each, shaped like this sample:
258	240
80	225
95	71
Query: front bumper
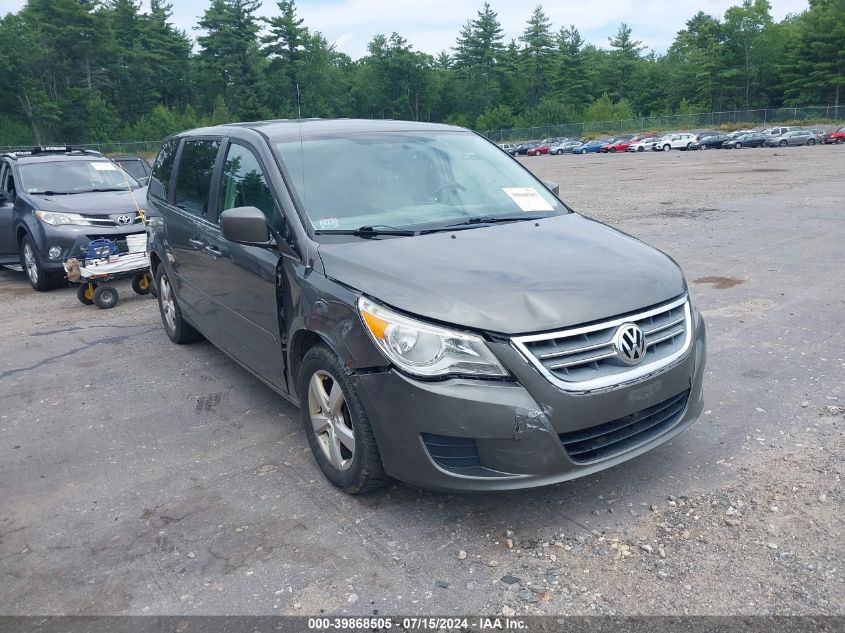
46	236
474	435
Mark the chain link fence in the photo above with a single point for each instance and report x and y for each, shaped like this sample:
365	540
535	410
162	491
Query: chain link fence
703	120
821	115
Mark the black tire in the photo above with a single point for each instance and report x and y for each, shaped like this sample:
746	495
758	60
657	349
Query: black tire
738	146
782	144
141	283
105	297
38	278
363	471
689	146
667	147
641	149
179	331
839	140
812	141
612	150
85	293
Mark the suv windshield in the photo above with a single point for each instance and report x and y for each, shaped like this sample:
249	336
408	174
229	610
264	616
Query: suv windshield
74	176
408	179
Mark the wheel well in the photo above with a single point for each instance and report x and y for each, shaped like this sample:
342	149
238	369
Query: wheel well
20	235
303	341
154	262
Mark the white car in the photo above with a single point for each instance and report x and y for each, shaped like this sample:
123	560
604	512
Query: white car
674	141
643	144
510	148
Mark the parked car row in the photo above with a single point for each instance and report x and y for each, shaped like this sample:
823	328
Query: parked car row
782	136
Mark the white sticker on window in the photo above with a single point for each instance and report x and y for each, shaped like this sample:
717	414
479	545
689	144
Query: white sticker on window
328	223
528	199
104	166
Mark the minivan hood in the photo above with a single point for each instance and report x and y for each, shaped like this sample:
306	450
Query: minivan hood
93	203
510	278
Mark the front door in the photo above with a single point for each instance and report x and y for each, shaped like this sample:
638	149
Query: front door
242	279
8	243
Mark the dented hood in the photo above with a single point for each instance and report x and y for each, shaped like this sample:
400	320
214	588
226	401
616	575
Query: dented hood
510	278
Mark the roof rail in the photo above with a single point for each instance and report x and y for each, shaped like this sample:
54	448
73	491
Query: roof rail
52	149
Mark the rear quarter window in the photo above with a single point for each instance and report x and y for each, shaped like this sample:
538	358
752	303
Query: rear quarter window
162	168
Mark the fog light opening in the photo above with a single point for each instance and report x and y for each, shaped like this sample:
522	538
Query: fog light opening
55	252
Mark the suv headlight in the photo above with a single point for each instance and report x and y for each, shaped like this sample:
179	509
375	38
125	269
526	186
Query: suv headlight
57	219
424	349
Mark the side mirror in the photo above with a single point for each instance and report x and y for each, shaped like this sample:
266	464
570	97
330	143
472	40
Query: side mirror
245	225
552	186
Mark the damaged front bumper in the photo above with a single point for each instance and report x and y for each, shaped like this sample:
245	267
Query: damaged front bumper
474	435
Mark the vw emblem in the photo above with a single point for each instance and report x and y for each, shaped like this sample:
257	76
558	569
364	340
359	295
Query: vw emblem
124	219
629	343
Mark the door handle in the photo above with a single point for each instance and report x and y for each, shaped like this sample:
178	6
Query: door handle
213	251
197	244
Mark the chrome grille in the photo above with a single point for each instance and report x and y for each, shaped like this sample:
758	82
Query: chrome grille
109	220
585	358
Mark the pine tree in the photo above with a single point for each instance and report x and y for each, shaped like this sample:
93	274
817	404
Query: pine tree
537	54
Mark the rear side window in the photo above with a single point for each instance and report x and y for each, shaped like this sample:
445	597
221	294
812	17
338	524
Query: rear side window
162	168
193	180
244	182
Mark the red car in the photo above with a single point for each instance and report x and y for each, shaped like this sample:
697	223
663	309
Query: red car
838	136
540	149
621	144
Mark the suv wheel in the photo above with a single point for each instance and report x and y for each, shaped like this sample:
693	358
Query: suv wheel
38	277
336	424
177	328
667	147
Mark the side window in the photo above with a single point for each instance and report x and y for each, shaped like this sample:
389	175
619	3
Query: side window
193	180
7	181
160	180
244	183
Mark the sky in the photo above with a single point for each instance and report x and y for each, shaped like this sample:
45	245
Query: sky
432	26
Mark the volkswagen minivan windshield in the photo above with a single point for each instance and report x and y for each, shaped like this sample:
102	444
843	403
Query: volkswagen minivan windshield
409	180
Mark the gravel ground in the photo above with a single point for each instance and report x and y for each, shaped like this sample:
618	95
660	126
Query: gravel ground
143	478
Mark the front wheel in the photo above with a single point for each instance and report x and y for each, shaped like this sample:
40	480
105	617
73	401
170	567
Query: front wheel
641	149
336	425
782	144
667	147
35	273
738	146
105	297
612	150
839	140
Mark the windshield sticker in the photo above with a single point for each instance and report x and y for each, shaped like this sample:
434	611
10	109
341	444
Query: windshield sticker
104	166
528	199
328	223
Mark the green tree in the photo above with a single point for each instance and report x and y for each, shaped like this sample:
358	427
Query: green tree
537	54
229	57
478	54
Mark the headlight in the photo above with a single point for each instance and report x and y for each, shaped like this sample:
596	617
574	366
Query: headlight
56	219
424	349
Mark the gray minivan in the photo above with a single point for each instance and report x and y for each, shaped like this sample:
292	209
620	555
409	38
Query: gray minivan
436	312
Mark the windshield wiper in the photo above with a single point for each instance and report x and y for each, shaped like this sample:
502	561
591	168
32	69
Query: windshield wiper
112	189
50	193
483	220
369	231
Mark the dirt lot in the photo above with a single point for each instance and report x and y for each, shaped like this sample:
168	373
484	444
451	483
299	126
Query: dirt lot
140	477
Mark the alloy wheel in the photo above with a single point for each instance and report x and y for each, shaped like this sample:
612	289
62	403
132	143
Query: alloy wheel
331	420
168	305
30	262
